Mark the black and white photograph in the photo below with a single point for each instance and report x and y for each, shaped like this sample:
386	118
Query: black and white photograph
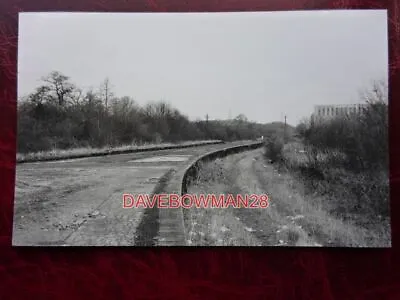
203	129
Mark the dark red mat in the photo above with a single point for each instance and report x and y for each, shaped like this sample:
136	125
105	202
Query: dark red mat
217	273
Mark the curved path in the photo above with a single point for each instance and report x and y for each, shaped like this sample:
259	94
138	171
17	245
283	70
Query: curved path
280	224
79	202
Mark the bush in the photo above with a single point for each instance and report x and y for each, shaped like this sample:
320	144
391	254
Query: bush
347	158
362	140
274	148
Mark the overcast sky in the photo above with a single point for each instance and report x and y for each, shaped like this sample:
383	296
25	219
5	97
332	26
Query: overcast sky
264	64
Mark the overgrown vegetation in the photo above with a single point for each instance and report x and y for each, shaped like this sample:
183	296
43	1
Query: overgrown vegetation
60	115
273	148
346	159
216	226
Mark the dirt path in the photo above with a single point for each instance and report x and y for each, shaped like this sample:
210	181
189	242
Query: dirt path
281	224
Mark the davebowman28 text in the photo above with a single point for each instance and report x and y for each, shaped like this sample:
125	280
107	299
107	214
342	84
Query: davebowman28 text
198	201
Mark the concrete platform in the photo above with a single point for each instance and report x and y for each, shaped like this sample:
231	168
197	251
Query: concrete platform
78	202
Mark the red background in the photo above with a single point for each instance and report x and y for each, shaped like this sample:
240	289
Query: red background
185	273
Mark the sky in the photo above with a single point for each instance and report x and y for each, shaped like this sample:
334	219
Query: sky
264	65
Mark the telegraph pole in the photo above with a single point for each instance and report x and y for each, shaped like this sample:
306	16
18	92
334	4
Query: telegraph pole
207	132
284	132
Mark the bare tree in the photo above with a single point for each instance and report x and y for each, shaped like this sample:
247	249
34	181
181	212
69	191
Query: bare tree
40	95
77	97
58	83
377	93
241	118
157	113
106	92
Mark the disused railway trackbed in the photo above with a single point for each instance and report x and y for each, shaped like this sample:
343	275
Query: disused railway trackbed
91	213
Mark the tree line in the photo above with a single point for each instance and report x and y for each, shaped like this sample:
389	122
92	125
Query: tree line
60	115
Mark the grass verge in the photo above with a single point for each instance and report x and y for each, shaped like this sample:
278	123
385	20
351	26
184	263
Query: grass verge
296	216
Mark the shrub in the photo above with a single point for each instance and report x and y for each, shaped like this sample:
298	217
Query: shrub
274	148
347	158
362	140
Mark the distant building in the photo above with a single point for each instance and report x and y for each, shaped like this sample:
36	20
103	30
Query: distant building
326	112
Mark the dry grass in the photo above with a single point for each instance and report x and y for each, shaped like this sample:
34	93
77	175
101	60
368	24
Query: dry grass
364	192
352	209
313	212
295	217
71	153
215	226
